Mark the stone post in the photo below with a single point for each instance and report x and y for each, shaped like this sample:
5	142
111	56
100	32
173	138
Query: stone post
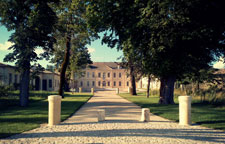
117	91
128	90
145	115
80	90
54	110
101	115
184	110
92	90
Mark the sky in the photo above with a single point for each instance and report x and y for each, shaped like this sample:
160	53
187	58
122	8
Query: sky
98	52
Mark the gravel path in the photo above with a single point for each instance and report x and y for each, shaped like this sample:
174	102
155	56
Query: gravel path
121	126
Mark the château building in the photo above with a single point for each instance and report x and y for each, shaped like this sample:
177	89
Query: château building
104	75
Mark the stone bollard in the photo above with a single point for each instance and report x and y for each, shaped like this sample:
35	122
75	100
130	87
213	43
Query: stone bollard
101	115
145	115
128	90
80	90
184	110
54	110
92	91
117	91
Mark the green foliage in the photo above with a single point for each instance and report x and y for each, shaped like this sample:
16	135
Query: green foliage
181	39
31	23
72	37
4	90
169	38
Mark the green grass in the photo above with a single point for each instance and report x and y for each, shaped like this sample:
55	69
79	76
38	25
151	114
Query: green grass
202	113
15	119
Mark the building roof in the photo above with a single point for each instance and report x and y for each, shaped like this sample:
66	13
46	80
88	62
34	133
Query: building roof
45	71
220	71
104	65
6	65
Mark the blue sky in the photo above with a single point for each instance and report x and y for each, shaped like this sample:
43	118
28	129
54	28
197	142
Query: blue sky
99	52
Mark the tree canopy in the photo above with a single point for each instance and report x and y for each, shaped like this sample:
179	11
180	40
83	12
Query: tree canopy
31	23
173	38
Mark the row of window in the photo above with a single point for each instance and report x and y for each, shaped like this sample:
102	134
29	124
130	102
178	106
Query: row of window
15	78
103	83
103	75
50	82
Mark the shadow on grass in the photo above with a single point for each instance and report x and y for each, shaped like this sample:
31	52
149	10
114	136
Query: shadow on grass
16	119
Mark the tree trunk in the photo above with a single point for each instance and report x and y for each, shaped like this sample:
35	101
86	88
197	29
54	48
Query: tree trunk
133	89
193	88
167	90
148	87
24	86
64	65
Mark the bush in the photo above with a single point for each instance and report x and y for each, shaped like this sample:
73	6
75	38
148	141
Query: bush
4	91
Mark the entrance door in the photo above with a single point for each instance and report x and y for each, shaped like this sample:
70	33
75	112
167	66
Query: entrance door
44	84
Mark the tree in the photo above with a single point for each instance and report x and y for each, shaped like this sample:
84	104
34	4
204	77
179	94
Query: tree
117	20
180	37
79	58
32	23
71	27
174	37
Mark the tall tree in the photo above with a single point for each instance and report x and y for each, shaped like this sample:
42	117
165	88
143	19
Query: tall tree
174	37
180	37
32	23
79	57
117	20
71	27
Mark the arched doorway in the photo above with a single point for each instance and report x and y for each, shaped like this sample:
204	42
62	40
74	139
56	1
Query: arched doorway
37	83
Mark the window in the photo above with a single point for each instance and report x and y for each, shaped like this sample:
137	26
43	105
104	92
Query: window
50	83
127	83
108	74
87	74
114	83
99	83
114	75
120	75
99	75
104	83
88	83
81	83
119	83
93	83
108	83
93	74
103	75
10	78
15	79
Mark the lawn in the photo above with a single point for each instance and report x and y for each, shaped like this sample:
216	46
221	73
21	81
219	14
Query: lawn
15	119
204	114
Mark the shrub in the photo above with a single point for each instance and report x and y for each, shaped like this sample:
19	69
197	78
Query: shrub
4	91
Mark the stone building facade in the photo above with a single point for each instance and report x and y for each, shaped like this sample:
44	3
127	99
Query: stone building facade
46	80
103	75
